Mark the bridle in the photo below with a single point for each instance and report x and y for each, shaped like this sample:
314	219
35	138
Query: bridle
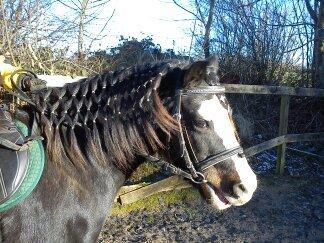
193	171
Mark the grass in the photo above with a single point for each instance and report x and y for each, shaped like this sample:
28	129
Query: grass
155	202
144	173
148	172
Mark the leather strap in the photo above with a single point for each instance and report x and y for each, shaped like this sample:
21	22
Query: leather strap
168	167
217	158
204	90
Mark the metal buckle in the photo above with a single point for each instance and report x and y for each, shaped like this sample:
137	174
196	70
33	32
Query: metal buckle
200	179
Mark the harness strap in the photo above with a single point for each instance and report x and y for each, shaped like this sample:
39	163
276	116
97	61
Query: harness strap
19	147
186	135
205	90
217	158
201	166
8	144
183	148
168	167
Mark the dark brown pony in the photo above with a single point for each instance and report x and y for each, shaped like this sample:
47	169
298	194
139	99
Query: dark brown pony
96	131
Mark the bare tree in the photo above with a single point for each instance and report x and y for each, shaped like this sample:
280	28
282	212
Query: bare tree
207	20
19	23
317	14
256	40
204	13
253	39
86	12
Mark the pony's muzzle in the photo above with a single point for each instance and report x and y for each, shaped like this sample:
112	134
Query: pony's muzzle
242	193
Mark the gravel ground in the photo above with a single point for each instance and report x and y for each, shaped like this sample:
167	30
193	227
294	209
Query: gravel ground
283	209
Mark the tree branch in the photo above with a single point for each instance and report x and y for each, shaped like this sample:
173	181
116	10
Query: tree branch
68	6
200	13
311	11
188	11
102	29
206	44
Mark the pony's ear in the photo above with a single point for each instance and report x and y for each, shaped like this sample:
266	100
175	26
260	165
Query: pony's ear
204	70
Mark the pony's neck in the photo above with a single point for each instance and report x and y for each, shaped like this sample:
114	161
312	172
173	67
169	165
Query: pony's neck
112	117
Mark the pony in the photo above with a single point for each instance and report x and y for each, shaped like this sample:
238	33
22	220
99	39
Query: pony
98	130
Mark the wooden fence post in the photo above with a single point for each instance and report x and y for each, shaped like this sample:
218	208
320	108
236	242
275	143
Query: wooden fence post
283	125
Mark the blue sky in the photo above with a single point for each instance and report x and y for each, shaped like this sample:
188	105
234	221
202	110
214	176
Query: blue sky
160	19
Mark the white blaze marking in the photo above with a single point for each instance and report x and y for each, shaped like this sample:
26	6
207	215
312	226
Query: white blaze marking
247	176
212	110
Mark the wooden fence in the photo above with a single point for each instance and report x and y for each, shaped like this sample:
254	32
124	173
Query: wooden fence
129	194
285	93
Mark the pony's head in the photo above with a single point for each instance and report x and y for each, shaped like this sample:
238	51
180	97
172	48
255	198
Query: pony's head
209	130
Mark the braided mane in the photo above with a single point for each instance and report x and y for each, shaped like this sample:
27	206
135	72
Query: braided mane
109	117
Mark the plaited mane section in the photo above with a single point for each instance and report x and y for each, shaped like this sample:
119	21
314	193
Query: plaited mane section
109	117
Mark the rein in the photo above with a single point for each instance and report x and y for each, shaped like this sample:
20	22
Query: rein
194	172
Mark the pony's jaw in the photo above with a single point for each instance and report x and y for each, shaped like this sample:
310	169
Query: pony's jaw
213	198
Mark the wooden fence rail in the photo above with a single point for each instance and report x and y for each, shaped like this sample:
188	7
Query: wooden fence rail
287	138
271	90
285	93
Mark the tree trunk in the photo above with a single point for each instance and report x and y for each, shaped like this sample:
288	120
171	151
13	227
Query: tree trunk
206	44
318	52
320	72
81	29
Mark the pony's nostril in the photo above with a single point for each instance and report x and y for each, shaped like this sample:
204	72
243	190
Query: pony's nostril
242	187
239	189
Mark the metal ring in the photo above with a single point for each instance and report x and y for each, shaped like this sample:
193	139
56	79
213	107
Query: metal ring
241	155
200	179
177	116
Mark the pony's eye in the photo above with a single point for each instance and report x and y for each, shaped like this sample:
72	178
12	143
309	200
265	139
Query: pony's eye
201	123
